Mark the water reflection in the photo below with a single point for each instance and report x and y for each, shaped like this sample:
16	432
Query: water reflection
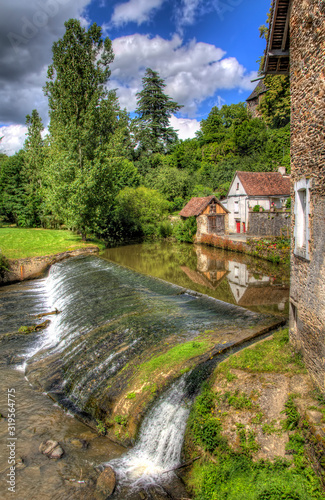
234	278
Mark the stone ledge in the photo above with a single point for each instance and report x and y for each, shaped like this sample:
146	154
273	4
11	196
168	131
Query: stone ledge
34	267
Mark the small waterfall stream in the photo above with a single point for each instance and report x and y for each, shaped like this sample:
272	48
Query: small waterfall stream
158	449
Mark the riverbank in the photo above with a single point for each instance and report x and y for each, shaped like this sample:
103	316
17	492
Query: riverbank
34	267
28	253
258	427
276	250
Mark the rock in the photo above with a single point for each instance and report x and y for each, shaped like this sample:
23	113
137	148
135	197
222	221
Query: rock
106	483
58	452
51	448
79	443
47	446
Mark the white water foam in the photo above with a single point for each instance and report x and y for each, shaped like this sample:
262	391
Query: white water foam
159	447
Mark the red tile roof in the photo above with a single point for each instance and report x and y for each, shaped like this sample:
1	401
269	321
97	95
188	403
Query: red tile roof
196	206
265	183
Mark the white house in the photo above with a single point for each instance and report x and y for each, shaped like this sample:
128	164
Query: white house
248	189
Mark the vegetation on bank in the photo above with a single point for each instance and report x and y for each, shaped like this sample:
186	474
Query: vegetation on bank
230	467
19	243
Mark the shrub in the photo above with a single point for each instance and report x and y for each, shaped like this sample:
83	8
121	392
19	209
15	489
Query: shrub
4	265
185	230
256	208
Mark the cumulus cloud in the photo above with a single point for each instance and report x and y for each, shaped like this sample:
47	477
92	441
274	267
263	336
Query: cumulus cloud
192	72
137	11
186	128
27	32
13	138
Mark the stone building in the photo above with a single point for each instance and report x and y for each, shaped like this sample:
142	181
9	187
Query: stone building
211	215
247	189
298	26
255	98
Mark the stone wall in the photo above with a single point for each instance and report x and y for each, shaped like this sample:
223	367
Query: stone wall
307	74
269	223
34	267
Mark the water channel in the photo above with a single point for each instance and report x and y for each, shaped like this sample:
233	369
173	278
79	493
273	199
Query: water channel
115	314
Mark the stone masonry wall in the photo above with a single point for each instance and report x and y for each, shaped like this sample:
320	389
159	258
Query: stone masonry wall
269	223
307	74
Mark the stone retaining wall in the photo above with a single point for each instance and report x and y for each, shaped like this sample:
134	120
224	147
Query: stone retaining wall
34	267
269	223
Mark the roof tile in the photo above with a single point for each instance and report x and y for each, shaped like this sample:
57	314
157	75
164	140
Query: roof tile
265	183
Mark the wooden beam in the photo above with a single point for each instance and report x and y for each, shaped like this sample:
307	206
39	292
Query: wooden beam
279	53
286	28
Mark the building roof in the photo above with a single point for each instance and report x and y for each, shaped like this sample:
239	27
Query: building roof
257	295
276	60
196	206
265	183
259	89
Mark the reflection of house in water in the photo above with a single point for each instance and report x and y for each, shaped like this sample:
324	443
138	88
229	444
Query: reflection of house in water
250	290
243	287
210	271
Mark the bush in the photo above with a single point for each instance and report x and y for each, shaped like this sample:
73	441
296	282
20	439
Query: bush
4	265
141	213
288	203
185	230
256	208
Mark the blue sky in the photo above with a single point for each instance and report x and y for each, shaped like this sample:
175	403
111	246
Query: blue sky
205	50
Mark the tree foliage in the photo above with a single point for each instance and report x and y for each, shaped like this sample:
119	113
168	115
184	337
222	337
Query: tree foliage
275	106
154	109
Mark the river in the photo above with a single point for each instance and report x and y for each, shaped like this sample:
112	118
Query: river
113	316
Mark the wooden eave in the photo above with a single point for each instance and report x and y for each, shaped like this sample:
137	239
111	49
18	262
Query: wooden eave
277	50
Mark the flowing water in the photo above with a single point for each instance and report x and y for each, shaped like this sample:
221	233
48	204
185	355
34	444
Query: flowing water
111	319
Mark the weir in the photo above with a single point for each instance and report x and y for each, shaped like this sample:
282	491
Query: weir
117	349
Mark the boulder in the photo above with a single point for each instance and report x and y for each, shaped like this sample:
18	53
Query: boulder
106	483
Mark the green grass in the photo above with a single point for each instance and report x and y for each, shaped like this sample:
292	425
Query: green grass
273	355
223	474
175	356
17	243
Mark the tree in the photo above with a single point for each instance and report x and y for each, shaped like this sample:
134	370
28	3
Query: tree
140	212
154	110
33	165
12	191
84	118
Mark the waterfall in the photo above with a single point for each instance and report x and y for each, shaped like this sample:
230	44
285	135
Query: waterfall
160	440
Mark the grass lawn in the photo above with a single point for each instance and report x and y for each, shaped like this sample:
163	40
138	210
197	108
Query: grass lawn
17	243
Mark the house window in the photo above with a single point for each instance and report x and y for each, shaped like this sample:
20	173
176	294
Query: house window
237	186
236	207
301	227
212	208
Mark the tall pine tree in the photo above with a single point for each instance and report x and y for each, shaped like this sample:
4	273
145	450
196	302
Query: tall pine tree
154	109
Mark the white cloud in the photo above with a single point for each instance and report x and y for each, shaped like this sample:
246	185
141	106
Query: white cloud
137	11
13	138
192	72
185	127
